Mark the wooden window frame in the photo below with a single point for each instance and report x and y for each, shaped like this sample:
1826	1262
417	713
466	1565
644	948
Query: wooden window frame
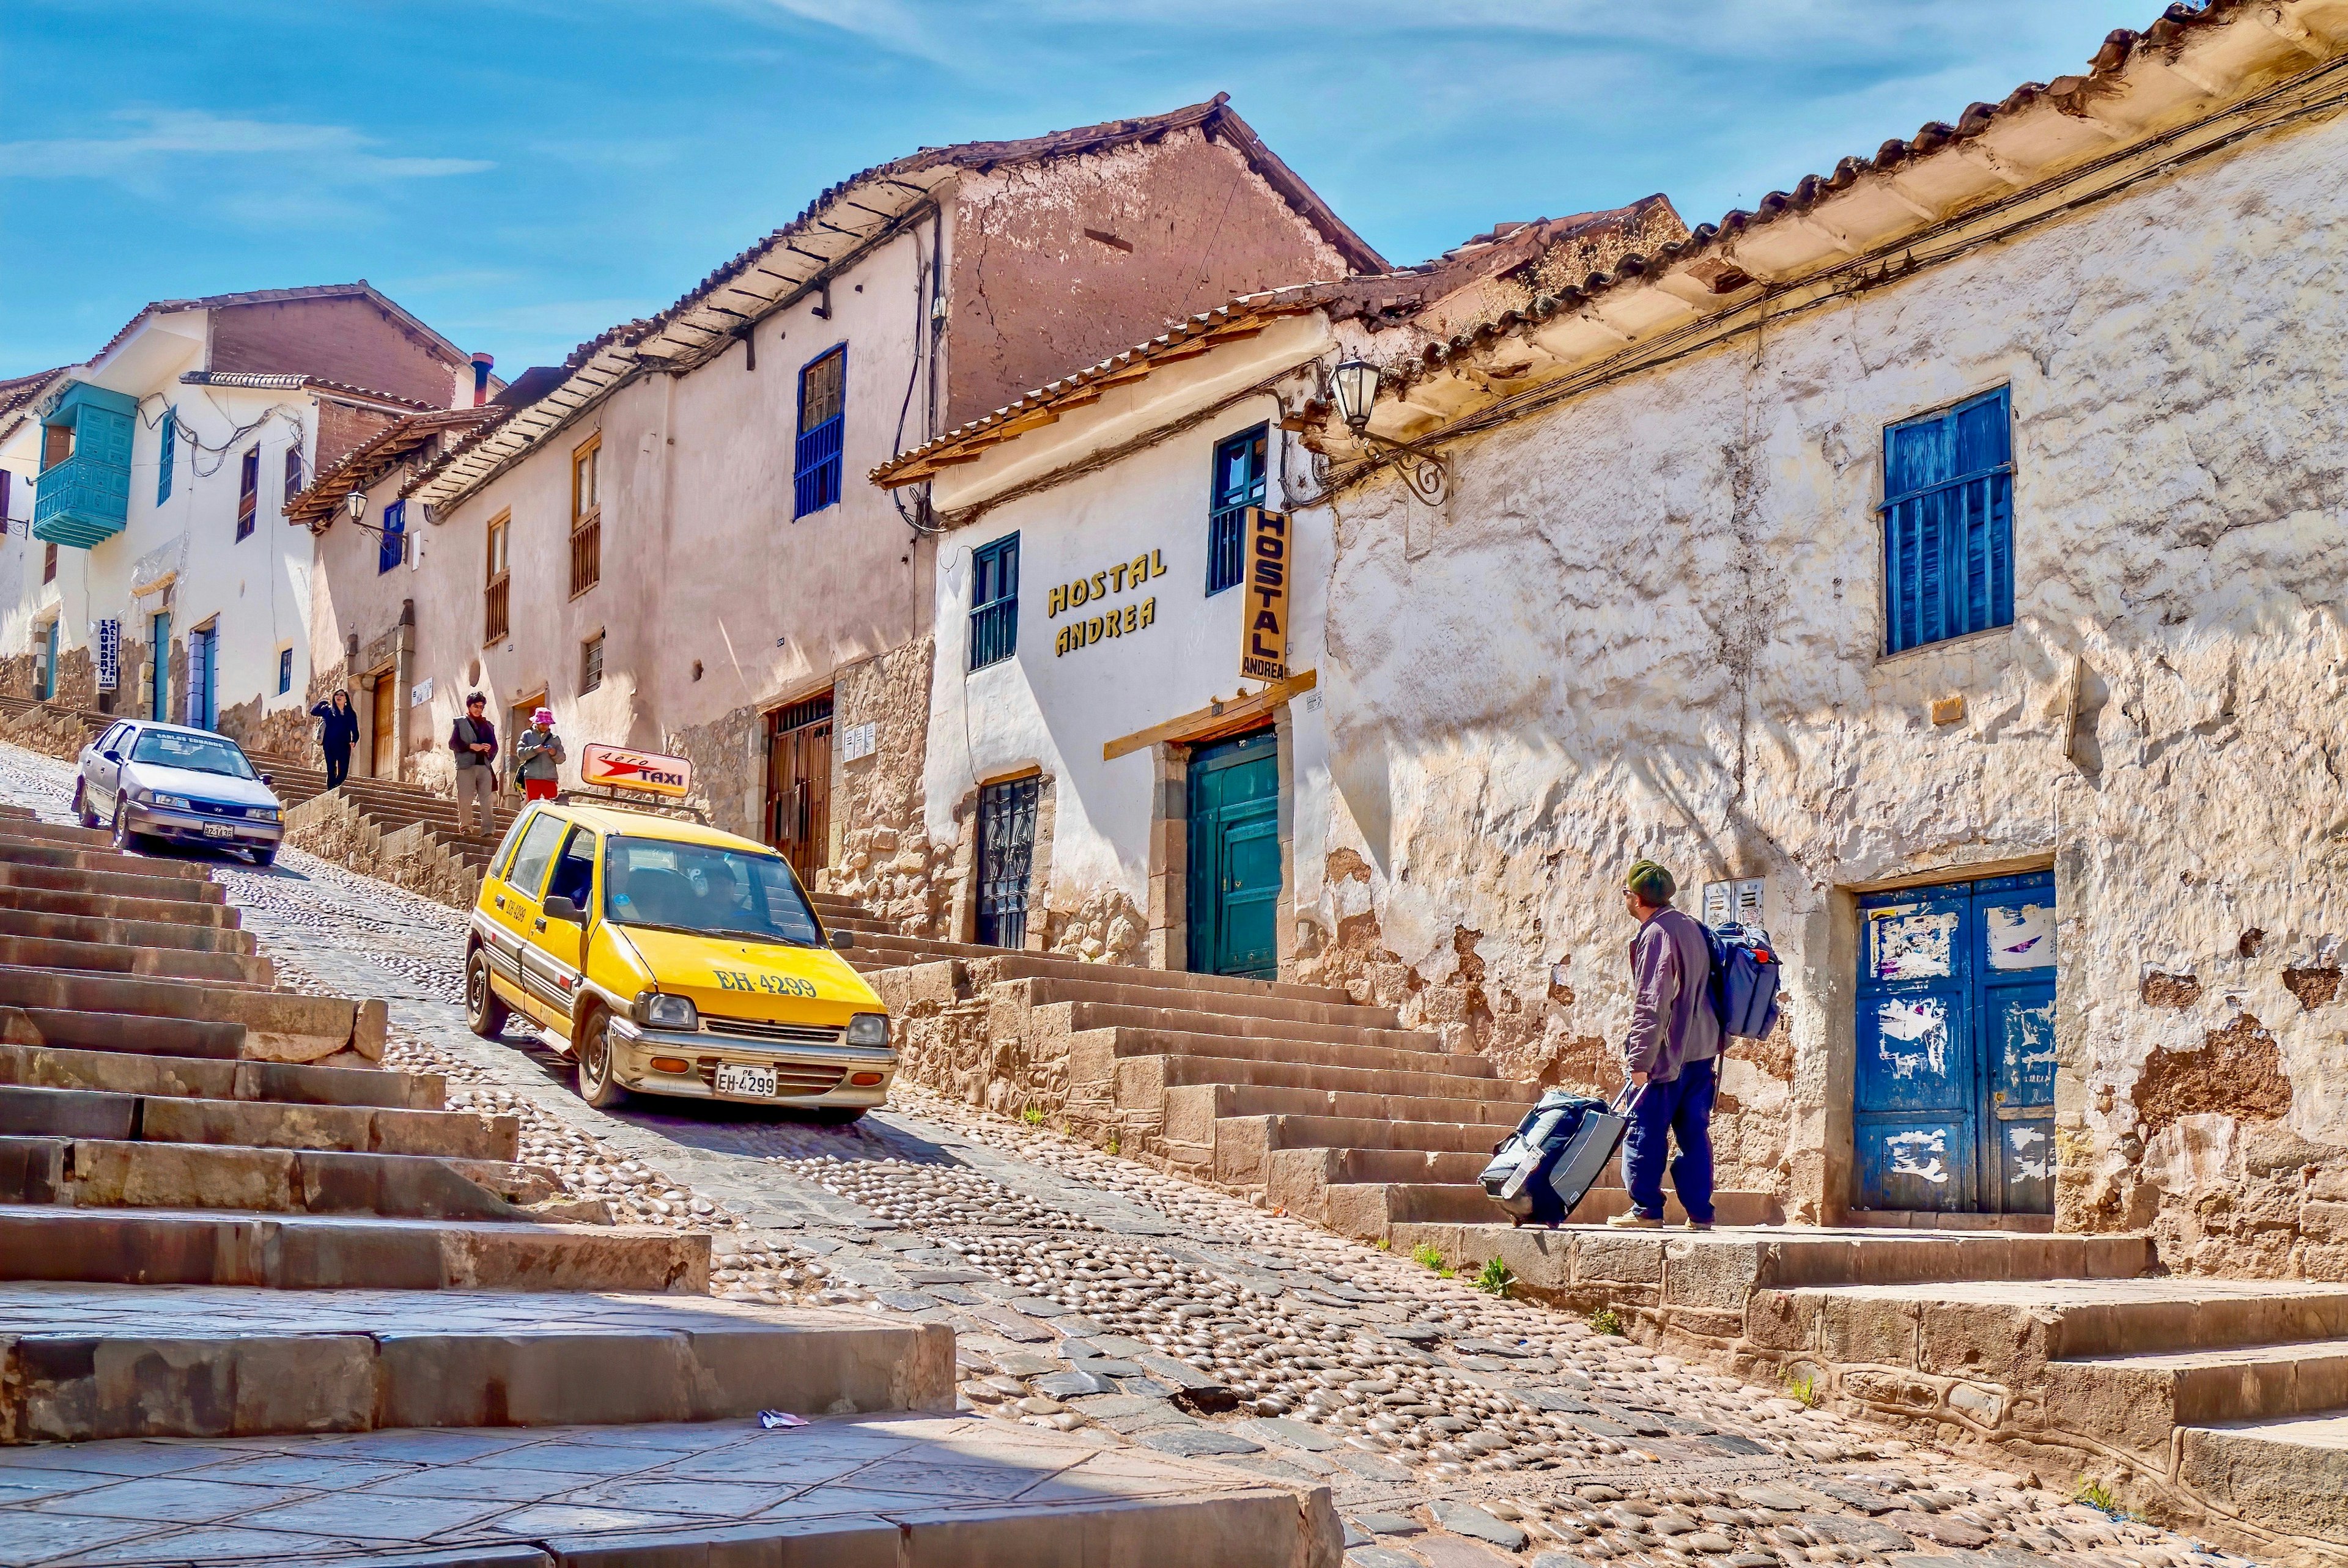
388	558
1936	530
49	564
1226	511
497	589
819	455
591	656
586	516
294	471
995	622
248	493
166	455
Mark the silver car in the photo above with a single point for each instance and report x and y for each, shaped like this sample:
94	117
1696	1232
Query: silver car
150	781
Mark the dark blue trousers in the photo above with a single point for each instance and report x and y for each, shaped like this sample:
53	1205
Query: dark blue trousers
1680	1111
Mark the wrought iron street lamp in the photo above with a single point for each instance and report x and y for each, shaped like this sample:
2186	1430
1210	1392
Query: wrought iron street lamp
1355	385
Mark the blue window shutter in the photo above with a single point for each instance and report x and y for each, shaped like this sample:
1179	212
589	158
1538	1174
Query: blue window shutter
817	454
163	463
394	548
994	601
1239	484
1947	523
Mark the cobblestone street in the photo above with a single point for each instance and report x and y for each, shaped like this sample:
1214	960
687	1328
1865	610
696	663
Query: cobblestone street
1099	1297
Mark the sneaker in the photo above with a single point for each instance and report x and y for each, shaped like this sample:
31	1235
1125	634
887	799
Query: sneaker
1634	1221
1699	1225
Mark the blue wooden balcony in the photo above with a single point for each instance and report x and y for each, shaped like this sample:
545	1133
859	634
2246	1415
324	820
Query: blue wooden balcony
85	498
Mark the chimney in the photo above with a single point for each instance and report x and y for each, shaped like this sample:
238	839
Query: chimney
481	363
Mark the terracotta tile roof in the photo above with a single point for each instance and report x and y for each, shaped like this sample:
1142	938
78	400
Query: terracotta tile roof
840	221
291	380
318	507
1378	298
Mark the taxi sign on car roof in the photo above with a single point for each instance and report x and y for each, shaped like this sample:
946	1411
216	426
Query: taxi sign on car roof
625	768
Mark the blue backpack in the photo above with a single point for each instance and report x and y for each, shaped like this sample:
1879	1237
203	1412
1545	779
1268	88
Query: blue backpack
1743	980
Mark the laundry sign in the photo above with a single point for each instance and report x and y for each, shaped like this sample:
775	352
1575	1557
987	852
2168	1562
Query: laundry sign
1263	617
110	655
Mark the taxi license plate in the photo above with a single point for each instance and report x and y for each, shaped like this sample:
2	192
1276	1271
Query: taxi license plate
739	1078
219	830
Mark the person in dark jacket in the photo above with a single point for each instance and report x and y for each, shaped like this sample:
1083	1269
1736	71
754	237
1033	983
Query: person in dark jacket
475	741
338	731
1672	1053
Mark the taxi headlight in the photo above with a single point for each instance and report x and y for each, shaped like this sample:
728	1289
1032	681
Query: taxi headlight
666	1012
869	1029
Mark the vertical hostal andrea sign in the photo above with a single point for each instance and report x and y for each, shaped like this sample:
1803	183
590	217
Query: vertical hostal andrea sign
1263	621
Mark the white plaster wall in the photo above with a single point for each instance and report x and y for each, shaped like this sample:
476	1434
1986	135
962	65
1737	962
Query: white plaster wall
1054	712
1649	623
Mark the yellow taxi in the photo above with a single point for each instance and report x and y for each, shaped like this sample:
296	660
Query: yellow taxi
667	958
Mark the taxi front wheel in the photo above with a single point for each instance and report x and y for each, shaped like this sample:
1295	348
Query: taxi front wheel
597	1084
485	1011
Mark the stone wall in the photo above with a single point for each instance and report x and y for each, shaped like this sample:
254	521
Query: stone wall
1650	622
886	858
330	827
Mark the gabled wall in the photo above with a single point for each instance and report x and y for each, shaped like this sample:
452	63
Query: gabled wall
347	339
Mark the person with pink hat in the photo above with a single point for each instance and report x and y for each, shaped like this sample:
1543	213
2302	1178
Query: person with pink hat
539	756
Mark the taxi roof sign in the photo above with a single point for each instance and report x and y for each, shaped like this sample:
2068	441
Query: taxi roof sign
626	768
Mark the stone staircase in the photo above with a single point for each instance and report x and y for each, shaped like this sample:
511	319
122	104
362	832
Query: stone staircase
399	832
53	729
1326	1107
220	1218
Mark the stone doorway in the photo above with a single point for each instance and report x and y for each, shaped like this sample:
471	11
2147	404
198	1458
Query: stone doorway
799	784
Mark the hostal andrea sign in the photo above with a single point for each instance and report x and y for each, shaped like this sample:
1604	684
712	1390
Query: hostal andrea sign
1117	619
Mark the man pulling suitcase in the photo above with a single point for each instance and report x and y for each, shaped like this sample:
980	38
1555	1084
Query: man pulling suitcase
1672	1053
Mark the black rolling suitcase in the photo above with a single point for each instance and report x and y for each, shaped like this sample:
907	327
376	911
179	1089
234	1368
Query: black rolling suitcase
1541	1171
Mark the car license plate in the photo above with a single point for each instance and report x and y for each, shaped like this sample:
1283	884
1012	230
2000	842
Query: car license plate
740	1078
219	830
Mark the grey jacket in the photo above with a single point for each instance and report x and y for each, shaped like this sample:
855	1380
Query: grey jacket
540	752
1672	1020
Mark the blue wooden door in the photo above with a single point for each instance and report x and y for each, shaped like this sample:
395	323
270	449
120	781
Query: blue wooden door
1955	1093
203	646
161	711
1235	876
49	665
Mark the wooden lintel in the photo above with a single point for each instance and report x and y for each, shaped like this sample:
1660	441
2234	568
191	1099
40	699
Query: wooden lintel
1213	719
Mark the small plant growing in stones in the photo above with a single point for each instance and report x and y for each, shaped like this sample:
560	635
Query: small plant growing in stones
1111	1147
1386	1244
2100	1497
1494	1279
1033	1115
1606	1320
1425	1256
1804	1391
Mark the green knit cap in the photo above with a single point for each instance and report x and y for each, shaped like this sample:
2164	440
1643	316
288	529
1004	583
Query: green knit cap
1653	884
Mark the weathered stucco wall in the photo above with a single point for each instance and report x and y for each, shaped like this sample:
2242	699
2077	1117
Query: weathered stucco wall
1649	623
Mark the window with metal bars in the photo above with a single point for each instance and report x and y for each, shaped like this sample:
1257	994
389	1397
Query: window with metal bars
1238	483
994	601
292	472
393	547
1948	522
823	400
495	597
1006	852
591	664
586	515
248	493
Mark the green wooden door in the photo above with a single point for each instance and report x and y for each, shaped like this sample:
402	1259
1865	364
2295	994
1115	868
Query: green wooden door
1234	891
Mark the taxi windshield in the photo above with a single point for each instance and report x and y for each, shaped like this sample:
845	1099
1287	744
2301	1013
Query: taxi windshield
707	891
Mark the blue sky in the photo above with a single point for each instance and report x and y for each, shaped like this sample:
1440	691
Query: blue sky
523	173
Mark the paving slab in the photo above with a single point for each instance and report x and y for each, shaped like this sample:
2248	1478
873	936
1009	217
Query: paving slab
906	1491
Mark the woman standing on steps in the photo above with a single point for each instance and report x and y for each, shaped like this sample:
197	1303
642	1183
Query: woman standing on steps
338	732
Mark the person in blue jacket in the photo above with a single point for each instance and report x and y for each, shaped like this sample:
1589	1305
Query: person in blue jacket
338	732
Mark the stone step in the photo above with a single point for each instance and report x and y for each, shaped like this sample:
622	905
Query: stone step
123	959
334	1251
69	928
69	900
33	1112
1371	1210
994	965
123	1071
79	857
2136	1401
88	1032
946	1491
85	1363
1145	1078
279	1026
1315	1118
1167	1007
2287	1474
1130	1041
33	830
89	1173
168	889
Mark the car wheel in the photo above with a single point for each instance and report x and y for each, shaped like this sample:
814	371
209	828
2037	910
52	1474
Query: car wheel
82	812
264	858
597	1084
125	841
485	1011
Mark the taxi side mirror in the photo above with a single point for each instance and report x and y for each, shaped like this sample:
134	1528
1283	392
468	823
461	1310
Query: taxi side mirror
843	940
558	908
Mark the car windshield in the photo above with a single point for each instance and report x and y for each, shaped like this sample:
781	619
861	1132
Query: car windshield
705	889
197	753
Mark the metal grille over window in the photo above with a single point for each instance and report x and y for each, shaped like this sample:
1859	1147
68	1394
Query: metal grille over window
823	386
994	601
591	664
1006	850
1947	523
1238	485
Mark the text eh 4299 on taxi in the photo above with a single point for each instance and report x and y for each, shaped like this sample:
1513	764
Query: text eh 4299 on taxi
667	958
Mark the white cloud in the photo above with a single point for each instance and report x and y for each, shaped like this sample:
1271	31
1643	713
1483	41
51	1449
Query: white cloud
154	140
